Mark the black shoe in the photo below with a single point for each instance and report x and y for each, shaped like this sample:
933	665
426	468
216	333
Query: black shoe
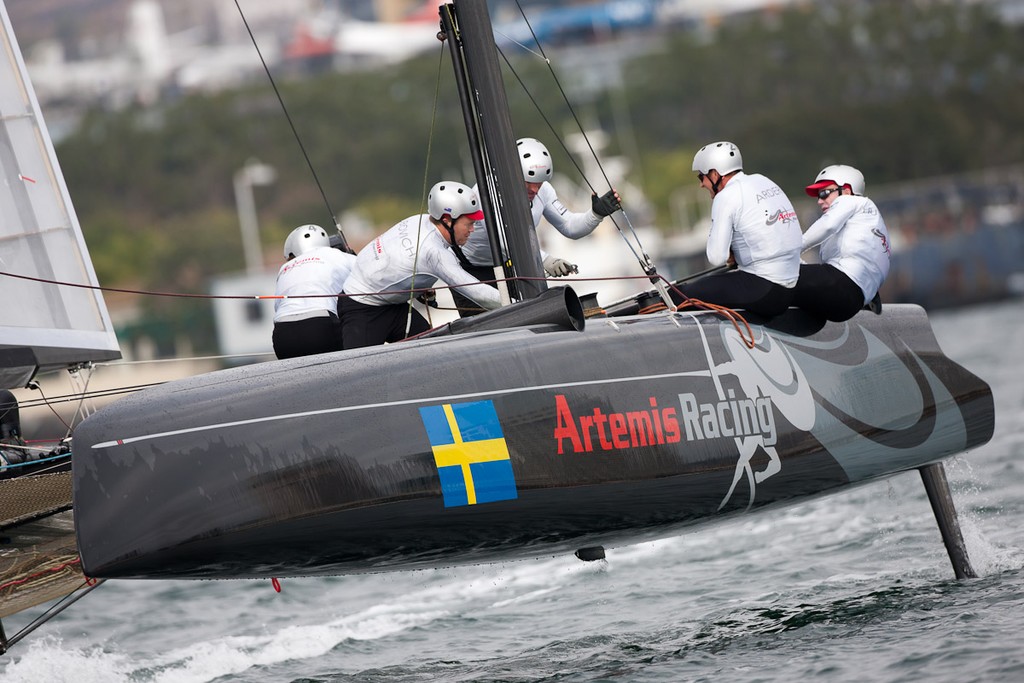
875	305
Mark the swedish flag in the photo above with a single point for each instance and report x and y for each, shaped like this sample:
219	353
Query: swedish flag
470	452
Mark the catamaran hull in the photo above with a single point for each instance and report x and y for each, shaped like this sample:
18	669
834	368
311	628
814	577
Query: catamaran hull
510	443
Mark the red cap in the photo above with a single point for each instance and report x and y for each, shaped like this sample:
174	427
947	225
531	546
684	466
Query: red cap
812	190
476	215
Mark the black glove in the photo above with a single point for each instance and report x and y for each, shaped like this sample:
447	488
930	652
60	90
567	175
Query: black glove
606	204
338	242
428	298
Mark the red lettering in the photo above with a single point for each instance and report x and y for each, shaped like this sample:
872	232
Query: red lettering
600	419
618	427
657	422
672	433
566	425
585	424
640	428
615	431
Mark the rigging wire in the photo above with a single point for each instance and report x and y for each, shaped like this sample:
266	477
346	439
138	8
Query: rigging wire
88	586
570	156
565	97
84	408
645	261
423	193
295	132
52	410
96	393
662	285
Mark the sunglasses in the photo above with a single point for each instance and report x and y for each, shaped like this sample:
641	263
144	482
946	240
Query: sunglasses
823	194
700	177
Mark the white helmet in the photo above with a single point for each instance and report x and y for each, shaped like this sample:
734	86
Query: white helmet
723	157
536	161
305	238
454	199
840	174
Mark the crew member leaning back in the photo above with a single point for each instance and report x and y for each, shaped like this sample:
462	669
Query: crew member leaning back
754	228
854	248
414	254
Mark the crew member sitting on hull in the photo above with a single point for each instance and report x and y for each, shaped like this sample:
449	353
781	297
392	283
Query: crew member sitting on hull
753	228
544	203
306	322
853	244
414	254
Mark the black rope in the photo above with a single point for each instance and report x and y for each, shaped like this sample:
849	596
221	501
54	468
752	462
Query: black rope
97	393
536	104
316	178
643	258
565	97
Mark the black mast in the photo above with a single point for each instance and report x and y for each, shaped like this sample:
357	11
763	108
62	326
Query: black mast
489	126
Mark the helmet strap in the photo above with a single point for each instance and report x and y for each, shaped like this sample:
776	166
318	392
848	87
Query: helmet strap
449	225
716	186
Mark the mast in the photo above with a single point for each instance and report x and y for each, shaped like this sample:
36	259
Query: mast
467	26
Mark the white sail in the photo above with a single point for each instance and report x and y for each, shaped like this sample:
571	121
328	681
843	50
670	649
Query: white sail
43	325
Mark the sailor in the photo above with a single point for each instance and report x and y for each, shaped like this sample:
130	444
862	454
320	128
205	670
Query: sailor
312	277
13	449
754	230
853	245
412	255
544	203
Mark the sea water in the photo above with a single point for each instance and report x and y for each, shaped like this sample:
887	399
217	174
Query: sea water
851	587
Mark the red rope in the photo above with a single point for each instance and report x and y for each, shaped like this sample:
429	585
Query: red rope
51	570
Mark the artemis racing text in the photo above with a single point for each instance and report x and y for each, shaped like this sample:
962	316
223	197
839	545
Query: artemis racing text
656	425
646	427
735	417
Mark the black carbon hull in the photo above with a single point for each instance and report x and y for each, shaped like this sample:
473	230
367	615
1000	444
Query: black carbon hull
510	443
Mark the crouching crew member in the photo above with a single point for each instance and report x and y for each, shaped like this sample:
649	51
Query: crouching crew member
414	254
312	277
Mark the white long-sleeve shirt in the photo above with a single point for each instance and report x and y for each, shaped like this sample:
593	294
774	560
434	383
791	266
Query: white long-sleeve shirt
854	239
753	219
390	261
545	204
306	279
